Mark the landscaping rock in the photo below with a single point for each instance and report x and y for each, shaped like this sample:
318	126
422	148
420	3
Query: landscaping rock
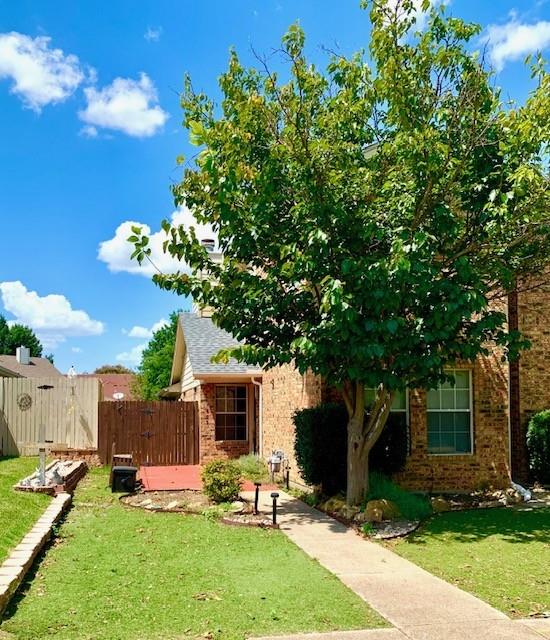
439	504
513	496
348	513
237	506
172	505
387	508
394	529
373	514
361	517
334	504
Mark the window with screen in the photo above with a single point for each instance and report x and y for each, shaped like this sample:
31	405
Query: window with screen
449	413
231	412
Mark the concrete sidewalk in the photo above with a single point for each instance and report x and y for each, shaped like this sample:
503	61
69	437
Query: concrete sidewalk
419	605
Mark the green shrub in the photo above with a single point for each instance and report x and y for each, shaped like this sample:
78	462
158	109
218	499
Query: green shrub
221	480
389	453
411	505
320	446
538	445
253	468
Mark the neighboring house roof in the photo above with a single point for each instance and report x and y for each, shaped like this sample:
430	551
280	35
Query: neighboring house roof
114	383
37	368
203	340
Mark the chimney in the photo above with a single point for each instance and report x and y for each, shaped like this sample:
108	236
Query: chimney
209	244
215	256
23	355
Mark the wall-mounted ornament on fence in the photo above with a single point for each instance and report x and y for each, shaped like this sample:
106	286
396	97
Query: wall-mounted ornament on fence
24	401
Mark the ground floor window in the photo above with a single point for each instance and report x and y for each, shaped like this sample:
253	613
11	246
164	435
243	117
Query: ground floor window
449	413
231	412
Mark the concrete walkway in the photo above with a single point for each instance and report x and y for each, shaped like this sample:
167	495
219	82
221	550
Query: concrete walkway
419	605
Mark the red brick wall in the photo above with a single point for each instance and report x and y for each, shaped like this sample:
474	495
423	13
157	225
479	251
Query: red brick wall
534	367
210	448
284	391
489	462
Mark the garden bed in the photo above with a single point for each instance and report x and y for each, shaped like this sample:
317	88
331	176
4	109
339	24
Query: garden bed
185	501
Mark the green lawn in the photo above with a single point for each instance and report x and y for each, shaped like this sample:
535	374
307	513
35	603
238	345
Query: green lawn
119	573
18	510
499	555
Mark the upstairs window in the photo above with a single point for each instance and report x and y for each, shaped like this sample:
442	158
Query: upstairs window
449	413
231	412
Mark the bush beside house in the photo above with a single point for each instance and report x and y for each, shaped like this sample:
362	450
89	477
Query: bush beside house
321	446
538	445
221	480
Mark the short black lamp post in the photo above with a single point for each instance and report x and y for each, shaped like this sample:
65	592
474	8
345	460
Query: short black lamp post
274	495
256	497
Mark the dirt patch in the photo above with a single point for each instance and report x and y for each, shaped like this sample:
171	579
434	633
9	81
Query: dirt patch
171	501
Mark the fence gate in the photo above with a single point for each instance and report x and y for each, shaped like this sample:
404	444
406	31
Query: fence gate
155	433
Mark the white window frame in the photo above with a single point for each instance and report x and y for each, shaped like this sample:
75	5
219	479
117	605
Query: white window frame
231	413
470	410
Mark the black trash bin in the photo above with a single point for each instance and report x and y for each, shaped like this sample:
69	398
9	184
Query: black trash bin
124	479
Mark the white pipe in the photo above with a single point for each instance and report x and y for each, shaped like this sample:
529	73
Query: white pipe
260	412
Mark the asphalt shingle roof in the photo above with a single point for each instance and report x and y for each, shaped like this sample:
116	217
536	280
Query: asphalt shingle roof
203	340
38	367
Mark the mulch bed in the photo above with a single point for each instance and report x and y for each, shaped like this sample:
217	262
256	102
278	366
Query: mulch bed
170	501
188	501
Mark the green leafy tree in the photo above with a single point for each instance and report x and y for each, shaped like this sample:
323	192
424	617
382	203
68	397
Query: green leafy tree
113	368
156	361
4	333
16	336
369	215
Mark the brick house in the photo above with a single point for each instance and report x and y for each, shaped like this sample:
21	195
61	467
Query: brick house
460	437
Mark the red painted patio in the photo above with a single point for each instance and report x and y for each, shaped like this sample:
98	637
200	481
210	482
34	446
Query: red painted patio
182	477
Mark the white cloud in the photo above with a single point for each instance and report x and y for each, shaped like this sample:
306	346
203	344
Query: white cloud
143	332
116	252
132	357
126	105
88	131
40	75
515	40
153	34
76	349
51	317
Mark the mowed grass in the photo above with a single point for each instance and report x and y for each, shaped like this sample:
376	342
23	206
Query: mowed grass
121	573
18	510
500	555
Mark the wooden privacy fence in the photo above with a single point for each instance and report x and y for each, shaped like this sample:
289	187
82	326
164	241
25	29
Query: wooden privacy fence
67	410
159	433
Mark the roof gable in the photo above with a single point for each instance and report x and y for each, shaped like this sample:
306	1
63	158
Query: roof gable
203	340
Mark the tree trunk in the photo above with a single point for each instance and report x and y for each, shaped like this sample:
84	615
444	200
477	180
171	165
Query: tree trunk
362	435
358	462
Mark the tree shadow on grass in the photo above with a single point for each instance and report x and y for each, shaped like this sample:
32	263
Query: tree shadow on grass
511	525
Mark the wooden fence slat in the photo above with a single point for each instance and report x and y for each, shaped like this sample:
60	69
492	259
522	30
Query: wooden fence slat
159	433
68	412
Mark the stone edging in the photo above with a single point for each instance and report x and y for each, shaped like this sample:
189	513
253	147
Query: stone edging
16	566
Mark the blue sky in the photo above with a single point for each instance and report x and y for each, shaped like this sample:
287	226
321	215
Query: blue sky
91	126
